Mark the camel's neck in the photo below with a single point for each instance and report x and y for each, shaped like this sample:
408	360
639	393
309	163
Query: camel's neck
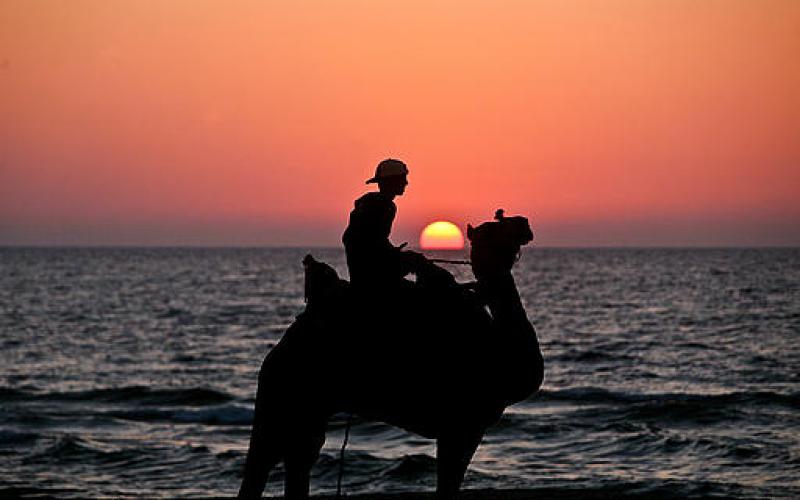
522	359
501	295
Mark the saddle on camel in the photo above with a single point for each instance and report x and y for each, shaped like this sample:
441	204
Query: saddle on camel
432	360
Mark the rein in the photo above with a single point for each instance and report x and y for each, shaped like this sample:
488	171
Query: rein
448	261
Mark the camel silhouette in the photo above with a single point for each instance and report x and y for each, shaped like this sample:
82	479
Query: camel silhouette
428	358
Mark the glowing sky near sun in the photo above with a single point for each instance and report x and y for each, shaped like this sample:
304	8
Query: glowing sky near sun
247	122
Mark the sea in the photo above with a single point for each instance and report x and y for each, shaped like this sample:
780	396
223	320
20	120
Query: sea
131	372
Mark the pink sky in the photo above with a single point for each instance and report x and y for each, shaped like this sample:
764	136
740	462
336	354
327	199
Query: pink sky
256	123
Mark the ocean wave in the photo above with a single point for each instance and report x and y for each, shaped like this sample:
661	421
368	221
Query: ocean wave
600	395
663	408
73	449
8	394
365	470
139	459
10	438
38	492
410	467
194	396
588	356
222	415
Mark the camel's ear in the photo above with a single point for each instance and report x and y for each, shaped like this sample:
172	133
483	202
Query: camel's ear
470	231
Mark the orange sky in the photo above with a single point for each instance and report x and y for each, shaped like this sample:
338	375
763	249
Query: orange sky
228	123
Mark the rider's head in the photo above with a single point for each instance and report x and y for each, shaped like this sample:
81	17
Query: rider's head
391	176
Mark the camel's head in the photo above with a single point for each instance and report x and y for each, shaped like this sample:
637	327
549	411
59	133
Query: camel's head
495	245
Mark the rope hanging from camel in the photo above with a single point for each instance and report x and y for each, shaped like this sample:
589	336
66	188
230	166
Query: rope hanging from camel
341	457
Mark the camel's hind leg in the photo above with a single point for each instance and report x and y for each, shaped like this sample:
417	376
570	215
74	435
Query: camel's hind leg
453	455
266	445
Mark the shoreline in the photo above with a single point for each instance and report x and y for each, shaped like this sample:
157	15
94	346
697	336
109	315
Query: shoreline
519	494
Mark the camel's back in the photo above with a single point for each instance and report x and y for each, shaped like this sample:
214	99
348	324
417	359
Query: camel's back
381	356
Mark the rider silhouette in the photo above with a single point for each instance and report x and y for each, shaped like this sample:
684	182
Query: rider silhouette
374	263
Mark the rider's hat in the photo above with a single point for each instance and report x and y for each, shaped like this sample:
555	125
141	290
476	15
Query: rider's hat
389	168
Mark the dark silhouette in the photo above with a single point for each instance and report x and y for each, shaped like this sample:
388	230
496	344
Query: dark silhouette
429	359
374	263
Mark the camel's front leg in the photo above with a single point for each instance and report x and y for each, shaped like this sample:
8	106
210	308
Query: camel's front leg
303	450
263	455
453	455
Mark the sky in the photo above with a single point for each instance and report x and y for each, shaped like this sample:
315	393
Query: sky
607	123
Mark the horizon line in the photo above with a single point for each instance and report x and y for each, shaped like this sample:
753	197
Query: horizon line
339	247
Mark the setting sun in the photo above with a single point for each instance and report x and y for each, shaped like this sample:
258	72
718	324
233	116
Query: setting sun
441	235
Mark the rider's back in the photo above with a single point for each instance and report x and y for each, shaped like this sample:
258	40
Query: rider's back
371	259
